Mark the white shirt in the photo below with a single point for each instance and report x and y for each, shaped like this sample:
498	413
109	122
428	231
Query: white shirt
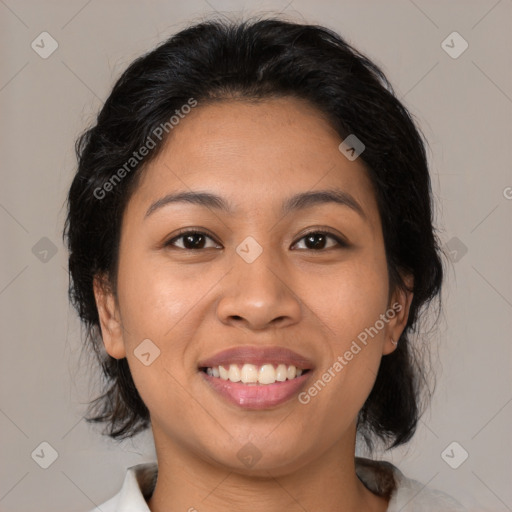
380	477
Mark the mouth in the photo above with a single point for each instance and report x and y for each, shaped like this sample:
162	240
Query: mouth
256	377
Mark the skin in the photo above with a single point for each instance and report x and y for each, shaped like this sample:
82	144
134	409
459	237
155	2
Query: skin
193	303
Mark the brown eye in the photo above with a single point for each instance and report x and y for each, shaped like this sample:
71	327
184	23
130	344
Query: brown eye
197	240
192	240
317	240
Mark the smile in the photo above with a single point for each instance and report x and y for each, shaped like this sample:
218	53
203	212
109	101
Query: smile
256	377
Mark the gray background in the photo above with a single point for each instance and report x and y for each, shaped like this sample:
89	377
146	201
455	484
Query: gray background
464	107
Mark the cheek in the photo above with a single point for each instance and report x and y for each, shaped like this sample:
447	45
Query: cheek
157	305
153	297
162	304
350	303
352	299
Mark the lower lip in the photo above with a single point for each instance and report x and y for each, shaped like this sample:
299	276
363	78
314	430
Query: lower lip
257	396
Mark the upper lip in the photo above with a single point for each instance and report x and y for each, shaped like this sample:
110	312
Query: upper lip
257	356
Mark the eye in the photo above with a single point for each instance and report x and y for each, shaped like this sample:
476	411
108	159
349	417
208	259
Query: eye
192	240
196	240
318	239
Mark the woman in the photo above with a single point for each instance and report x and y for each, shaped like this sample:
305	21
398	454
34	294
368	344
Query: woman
251	243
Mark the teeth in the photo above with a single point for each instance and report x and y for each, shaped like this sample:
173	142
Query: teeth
267	374
251	374
234	373
223	373
281	373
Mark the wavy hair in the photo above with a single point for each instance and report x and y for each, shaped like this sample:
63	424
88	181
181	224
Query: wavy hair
253	60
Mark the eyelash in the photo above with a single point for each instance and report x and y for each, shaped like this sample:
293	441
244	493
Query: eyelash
341	243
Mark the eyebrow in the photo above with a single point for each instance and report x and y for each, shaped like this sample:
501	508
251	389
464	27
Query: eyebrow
297	202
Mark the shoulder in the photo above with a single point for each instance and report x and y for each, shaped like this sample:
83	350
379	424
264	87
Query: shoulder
109	506
404	494
414	496
138	485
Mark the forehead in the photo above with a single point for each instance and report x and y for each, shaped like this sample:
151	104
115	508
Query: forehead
255	154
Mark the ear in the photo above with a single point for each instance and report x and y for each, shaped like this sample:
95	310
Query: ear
110	320
398	313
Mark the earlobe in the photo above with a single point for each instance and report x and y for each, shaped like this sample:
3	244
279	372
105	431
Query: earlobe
400	304
110	323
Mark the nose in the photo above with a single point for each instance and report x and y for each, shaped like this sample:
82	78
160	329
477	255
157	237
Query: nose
258	296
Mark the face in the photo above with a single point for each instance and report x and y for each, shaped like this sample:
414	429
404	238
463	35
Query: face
311	279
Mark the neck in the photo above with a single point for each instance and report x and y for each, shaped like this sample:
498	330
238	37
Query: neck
187	483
